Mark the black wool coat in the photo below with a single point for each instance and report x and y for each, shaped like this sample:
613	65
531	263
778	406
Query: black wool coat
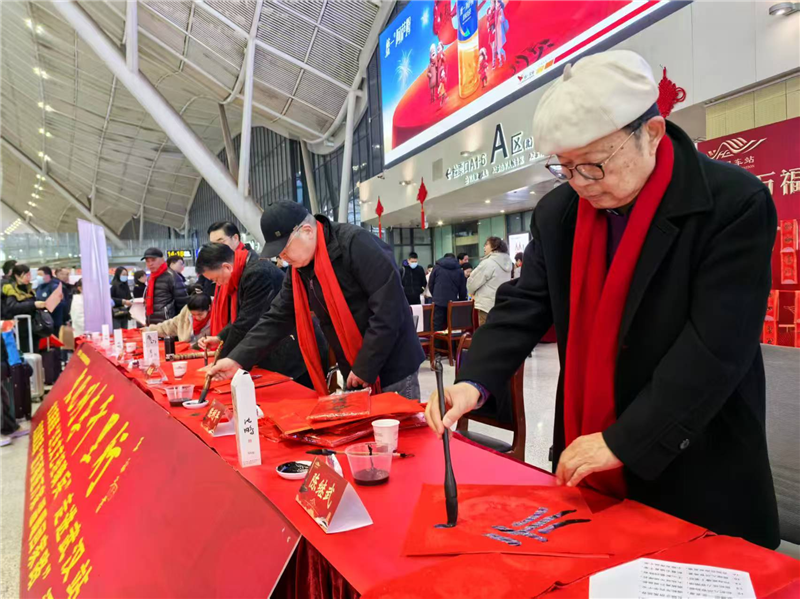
689	382
370	282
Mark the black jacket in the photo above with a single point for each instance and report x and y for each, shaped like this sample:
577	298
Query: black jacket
689	387
120	291
447	282
368	277
414	282
169	299
260	283
12	307
139	289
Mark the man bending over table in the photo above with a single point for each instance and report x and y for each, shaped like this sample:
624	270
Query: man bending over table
245	288
654	264
348	278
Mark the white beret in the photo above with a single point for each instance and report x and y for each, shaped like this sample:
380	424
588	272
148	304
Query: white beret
599	95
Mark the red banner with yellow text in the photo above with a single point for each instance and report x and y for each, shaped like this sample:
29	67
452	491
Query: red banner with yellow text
772	153
124	501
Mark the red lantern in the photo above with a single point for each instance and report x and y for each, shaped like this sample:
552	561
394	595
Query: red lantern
379	212
421	195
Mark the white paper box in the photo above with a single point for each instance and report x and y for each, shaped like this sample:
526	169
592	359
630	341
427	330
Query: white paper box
245	419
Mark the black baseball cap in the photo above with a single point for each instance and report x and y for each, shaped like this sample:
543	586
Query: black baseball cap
153	253
277	223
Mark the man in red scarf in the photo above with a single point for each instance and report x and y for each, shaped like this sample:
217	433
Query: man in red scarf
348	278
166	294
246	287
654	265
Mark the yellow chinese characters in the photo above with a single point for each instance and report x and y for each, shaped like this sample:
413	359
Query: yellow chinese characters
38	553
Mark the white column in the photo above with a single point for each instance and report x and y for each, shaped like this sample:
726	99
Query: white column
347	158
211	169
247	122
308	167
132	35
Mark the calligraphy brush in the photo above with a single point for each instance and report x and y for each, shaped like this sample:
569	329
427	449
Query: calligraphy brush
207	385
450	491
396	454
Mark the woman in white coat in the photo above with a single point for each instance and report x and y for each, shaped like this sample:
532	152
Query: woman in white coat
494	270
76	312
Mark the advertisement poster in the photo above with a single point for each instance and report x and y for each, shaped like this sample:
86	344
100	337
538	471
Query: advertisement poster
445	61
772	153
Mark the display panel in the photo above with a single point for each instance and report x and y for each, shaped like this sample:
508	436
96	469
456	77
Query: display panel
444	63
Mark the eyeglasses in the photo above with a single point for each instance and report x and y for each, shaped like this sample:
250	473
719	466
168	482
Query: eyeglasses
292	235
588	170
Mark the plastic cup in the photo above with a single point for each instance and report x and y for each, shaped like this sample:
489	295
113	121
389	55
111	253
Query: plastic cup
386	432
370	463
179	369
177	394
130	347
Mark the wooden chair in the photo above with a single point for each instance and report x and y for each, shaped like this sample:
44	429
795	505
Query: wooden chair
459	323
426	334
517	425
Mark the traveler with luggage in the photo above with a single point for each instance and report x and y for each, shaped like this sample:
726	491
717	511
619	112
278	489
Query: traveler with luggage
19	299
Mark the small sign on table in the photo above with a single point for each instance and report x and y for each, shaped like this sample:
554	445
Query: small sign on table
331	501
150	348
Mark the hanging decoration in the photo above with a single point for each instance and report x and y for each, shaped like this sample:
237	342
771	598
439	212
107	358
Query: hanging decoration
379	212
669	94
421	195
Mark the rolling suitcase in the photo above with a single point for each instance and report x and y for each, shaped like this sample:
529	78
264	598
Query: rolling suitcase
21	382
51	361
33	360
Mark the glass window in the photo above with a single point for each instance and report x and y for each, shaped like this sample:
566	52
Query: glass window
422	236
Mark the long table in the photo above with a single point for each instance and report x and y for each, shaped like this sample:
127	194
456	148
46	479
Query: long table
262	520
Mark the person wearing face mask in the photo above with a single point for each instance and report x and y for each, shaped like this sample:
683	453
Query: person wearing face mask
121	295
246	287
494	270
653	262
19	299
349	279
46	286
414	280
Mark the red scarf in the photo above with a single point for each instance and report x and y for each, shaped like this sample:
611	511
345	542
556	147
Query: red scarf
346	329
226	296
150	292
596	303
197	325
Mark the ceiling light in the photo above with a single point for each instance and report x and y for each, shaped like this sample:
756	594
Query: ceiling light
376	146
488	202
40	177
784	8
41	73
39	29
32	203
502	212
33	195
440	223
466	154
29	23
46	107
28	212
404	183
533	193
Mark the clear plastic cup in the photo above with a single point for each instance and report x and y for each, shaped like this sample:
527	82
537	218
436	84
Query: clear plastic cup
370	463
386	431
177	394
130	347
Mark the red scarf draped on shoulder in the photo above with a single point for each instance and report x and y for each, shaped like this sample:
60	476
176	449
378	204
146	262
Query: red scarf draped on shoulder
150	292
346	329
226	301
197	325
596	302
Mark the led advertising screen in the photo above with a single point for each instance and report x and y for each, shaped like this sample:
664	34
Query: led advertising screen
445	63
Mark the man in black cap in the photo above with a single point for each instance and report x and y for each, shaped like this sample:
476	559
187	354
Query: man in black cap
348	278
165	295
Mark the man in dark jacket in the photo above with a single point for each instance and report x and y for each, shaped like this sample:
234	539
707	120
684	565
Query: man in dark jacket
413	279
62	274
47	286
366	273
447	284
176	265
680	369
259	283
166	293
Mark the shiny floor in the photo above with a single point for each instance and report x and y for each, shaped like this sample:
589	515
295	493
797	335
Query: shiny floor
541	377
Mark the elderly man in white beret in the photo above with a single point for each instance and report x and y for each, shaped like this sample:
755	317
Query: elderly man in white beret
653	262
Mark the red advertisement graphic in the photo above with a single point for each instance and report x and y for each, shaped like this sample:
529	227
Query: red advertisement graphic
444	61
772	153
123	501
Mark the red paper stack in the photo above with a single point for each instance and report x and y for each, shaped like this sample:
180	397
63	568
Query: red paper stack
313	420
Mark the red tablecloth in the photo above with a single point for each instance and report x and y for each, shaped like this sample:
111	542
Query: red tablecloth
370	557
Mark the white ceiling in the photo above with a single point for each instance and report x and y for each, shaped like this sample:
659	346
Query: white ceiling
103	145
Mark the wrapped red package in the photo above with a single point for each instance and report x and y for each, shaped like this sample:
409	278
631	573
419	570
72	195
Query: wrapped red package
341	406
